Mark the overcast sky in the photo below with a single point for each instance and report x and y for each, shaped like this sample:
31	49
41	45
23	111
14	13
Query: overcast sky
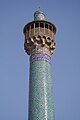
14	62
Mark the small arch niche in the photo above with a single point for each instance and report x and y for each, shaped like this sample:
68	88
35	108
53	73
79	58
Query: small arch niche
34	38
39	37
50	27
42	25
36	25
48	39
46	26
44	37
32	26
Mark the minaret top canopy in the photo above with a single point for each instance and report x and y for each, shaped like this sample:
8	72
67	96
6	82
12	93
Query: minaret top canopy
39	15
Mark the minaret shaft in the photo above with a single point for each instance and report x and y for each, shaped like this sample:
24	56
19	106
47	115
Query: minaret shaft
40	92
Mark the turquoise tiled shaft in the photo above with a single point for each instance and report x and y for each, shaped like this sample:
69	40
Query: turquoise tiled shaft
40	92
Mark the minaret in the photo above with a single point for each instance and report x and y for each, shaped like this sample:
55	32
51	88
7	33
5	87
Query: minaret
39	45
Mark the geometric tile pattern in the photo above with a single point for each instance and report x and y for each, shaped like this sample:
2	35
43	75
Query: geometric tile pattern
41	50
40	57
41	106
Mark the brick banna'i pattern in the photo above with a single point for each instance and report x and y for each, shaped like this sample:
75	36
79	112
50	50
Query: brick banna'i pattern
39	45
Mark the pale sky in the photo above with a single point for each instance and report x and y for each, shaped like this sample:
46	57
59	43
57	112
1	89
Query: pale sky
14	62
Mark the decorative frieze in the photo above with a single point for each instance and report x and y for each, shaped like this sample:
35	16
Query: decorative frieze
40	50
40	57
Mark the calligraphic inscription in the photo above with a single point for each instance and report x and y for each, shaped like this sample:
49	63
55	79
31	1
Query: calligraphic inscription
40	57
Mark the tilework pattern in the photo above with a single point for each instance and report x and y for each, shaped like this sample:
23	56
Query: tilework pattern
42	50
40	91
40	57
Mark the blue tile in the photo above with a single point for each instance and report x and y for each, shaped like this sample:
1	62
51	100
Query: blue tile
41	106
